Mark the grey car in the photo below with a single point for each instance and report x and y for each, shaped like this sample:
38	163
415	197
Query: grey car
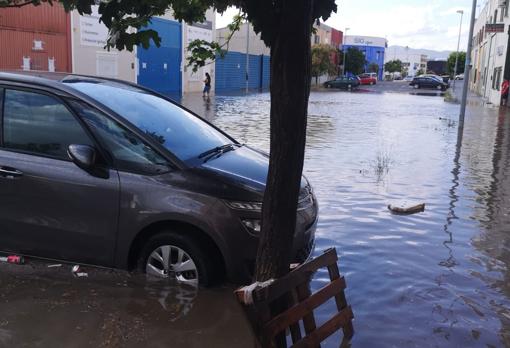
103	172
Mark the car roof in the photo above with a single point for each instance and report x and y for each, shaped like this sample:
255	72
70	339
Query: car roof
56	80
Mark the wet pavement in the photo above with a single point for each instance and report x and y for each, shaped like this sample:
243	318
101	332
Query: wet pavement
440	278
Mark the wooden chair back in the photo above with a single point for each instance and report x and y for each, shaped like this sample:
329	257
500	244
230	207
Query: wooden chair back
288	304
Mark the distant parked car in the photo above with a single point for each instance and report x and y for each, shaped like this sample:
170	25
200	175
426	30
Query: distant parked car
428	82
437	77
367	79
459	77
345	82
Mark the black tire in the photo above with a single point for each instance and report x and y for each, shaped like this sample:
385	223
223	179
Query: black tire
349	86
205	264
372	83
439	87
327	85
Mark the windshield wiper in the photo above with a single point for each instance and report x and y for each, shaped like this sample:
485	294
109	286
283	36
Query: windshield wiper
217	151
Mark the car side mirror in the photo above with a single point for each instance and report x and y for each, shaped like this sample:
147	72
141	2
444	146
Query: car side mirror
84	156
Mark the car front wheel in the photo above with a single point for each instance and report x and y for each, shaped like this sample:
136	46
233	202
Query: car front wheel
176	257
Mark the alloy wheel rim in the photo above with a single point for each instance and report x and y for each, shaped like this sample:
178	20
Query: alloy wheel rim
172	262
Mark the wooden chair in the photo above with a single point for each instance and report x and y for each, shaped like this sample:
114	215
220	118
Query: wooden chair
288	302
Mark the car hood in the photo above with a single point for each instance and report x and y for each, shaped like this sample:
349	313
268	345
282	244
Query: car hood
241	171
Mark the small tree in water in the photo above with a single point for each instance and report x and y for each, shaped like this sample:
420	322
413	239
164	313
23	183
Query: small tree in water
285	26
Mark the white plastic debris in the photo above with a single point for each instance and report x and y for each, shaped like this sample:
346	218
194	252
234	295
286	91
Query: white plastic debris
248	290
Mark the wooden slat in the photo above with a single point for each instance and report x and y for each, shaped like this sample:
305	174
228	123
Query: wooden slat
303	292
295	330
341	301
294	314
326	330
294	278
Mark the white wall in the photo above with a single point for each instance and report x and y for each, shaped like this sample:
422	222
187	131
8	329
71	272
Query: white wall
238	41
193	82
88	38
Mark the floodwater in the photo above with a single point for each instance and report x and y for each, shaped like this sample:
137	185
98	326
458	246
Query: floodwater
439	278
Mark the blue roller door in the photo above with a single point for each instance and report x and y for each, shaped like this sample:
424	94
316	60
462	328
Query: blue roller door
160	67
231	72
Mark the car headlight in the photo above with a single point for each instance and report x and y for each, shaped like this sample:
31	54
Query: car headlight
249	206
253	226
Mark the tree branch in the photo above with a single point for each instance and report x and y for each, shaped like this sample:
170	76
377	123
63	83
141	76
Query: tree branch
16	5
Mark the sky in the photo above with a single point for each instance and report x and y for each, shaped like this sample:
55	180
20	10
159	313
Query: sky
430	24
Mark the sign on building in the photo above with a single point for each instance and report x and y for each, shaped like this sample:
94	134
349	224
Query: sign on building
494	28
92	32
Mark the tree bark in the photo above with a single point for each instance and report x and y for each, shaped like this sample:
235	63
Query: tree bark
290	90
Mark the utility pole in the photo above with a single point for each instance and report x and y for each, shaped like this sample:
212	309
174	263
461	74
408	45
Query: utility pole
467	68
458	44
343	49
247	55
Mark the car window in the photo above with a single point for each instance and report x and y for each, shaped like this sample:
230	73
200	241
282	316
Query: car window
40	124
182	133
130	153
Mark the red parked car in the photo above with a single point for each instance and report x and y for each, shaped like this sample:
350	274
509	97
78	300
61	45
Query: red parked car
367	79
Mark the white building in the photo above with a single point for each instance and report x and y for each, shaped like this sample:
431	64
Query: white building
238	42
413	62
490	51
88	39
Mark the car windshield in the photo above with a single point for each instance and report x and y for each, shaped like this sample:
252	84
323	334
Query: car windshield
182	133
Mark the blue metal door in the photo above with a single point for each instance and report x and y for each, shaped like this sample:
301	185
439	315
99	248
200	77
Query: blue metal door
159	68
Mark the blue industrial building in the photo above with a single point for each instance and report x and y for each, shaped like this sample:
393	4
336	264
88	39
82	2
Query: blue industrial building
373	48
160	67
231	72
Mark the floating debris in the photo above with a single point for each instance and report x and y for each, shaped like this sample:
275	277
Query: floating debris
14	259
55	265
78	272
407	210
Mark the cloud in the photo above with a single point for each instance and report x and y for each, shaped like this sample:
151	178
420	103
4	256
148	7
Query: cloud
431	24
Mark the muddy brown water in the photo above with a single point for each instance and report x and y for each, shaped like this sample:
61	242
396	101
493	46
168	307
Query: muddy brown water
434	279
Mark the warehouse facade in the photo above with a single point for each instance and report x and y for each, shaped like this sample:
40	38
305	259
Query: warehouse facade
46	38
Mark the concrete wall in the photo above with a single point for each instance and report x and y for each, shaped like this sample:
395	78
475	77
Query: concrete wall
193	82
490	52
238	41
88	38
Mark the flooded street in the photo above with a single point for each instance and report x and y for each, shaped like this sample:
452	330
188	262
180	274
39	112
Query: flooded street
440	278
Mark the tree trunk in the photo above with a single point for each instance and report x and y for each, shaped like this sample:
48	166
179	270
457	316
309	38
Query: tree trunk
290	89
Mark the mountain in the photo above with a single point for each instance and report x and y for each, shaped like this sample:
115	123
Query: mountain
395	51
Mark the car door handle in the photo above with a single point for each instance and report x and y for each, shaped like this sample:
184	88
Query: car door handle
8	172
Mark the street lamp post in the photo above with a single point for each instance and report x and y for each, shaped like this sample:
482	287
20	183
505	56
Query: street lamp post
343	48
467	68
458	44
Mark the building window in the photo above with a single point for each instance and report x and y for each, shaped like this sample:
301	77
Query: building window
496	78
495	16
317	39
